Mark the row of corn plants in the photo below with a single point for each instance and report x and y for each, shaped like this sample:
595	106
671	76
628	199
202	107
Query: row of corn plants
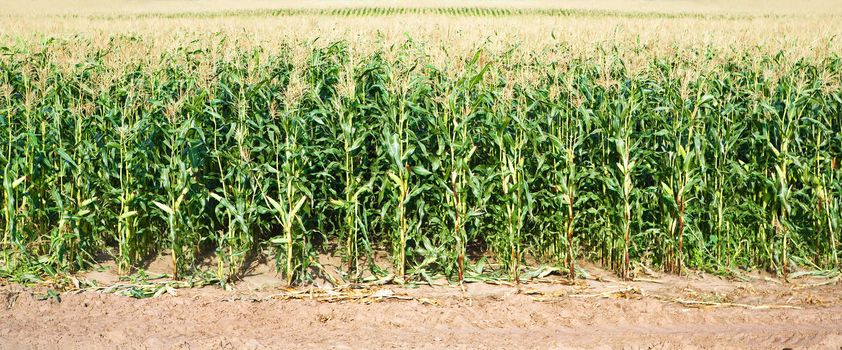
709	159
426	11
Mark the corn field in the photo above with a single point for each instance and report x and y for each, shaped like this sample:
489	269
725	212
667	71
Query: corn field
482	164
428	11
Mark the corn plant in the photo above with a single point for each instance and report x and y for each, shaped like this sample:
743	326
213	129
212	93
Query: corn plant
353	134
567	132
510	137
618	123
398	139
288	187
240	171
455	122
683	167
176	178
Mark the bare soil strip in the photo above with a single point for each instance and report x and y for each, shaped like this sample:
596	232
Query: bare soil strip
664	312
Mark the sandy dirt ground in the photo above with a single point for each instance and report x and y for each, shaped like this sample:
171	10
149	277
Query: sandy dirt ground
695	311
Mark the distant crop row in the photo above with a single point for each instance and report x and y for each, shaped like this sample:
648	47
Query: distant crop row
439	11
510	161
